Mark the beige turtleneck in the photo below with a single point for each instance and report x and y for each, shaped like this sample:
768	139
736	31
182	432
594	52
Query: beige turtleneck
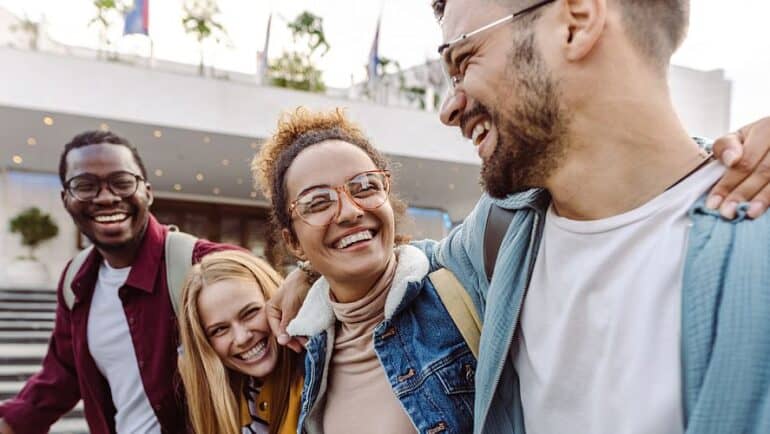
359	396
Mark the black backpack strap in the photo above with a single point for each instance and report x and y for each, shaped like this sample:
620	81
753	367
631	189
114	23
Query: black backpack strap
498	221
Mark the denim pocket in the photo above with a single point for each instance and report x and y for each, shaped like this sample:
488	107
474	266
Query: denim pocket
457	373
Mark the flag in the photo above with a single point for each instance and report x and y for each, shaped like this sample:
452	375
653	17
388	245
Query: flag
262	65
138	18
374	54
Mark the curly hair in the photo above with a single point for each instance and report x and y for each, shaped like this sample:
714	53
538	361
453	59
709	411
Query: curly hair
297	131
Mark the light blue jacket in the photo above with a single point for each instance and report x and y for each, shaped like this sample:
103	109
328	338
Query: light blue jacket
725	314
425	358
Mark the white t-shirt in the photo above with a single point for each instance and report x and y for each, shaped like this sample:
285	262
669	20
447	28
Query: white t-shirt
110	344
599	345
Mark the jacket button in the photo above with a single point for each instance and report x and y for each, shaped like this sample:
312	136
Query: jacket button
469	373
263	406
440	427
409	374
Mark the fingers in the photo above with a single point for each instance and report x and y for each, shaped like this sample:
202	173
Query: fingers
749	176
729	149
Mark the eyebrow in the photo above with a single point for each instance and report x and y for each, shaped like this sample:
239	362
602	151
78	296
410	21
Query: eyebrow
240	314
313	187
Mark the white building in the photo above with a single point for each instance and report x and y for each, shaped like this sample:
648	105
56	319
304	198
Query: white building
185	125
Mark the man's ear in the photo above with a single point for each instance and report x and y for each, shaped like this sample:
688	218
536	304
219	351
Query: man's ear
585	21
292	244
150	196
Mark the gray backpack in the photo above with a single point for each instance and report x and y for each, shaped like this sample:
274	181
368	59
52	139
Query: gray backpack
178	250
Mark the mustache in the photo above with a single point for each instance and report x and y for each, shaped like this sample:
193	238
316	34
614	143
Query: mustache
477	110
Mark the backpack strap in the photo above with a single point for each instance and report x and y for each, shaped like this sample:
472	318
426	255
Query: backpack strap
498	221
460	307
75	264
179	255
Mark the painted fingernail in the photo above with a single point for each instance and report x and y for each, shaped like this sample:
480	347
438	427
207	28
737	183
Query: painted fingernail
729	158
756	209
283	339
728	210
713	201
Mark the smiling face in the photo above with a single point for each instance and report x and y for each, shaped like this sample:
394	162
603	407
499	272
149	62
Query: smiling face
234	320
113	224
507	101
357	245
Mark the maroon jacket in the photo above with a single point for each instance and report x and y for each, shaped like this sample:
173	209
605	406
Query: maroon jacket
69	372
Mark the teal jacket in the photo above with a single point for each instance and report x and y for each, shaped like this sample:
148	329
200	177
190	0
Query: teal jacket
725	314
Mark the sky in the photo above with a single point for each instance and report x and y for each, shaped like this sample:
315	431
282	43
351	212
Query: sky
733	36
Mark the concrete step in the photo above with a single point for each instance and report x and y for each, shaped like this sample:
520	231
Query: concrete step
27	296
25	316
26	325
27	306
20	351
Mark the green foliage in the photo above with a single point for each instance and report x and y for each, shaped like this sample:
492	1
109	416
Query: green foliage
296	69
199	21
34	227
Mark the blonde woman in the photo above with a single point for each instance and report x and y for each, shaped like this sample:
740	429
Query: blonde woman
236	378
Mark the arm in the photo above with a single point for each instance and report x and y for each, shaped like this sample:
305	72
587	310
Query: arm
284	306
747	154
50	393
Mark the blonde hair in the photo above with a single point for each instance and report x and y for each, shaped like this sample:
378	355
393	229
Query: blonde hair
212	390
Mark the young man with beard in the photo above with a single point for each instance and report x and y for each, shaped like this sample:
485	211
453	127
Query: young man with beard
620	302
645	311
116	348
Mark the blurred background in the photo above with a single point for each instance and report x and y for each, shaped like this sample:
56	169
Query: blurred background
197	86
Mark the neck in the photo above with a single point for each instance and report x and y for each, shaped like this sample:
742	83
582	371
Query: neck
124	255
354	290
624	149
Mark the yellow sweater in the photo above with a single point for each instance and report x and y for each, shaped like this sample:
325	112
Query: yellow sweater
263	408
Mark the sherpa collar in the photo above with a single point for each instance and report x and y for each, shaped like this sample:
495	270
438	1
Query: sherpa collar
316	314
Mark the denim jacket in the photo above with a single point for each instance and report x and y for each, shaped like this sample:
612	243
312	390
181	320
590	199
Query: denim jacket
427	362
725	336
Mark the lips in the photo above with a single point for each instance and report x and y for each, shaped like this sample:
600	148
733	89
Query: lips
110	218
354	237
254	353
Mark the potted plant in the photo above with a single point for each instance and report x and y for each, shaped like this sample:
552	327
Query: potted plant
35	228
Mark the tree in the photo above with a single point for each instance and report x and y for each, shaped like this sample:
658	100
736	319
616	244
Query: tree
296	69
34	227
30	28
106	12
200	21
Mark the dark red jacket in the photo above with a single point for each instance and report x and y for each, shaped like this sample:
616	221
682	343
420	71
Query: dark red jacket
69	373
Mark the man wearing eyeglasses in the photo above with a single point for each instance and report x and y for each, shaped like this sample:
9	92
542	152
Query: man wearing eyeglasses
116	348
622	301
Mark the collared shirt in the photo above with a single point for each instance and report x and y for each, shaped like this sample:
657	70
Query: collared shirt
69	372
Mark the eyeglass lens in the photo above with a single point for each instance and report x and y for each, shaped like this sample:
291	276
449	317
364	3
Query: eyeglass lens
87	187
319	206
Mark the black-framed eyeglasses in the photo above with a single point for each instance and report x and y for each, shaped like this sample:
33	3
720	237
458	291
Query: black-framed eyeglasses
319	206
86	187
445	52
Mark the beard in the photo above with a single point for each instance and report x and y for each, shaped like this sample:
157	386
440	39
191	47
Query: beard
532	132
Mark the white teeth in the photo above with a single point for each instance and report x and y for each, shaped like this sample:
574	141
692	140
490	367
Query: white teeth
255	352
479	130
110	218
354	238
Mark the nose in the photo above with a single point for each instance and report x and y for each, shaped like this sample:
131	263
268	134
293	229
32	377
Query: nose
452	107
348	210
105	195
241	335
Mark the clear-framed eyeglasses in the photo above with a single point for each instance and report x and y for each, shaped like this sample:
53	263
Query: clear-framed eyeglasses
86	187
319	206
452	71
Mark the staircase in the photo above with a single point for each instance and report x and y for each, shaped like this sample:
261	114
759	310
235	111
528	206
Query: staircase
26	322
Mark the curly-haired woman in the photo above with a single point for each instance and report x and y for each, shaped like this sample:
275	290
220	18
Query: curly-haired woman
384	356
